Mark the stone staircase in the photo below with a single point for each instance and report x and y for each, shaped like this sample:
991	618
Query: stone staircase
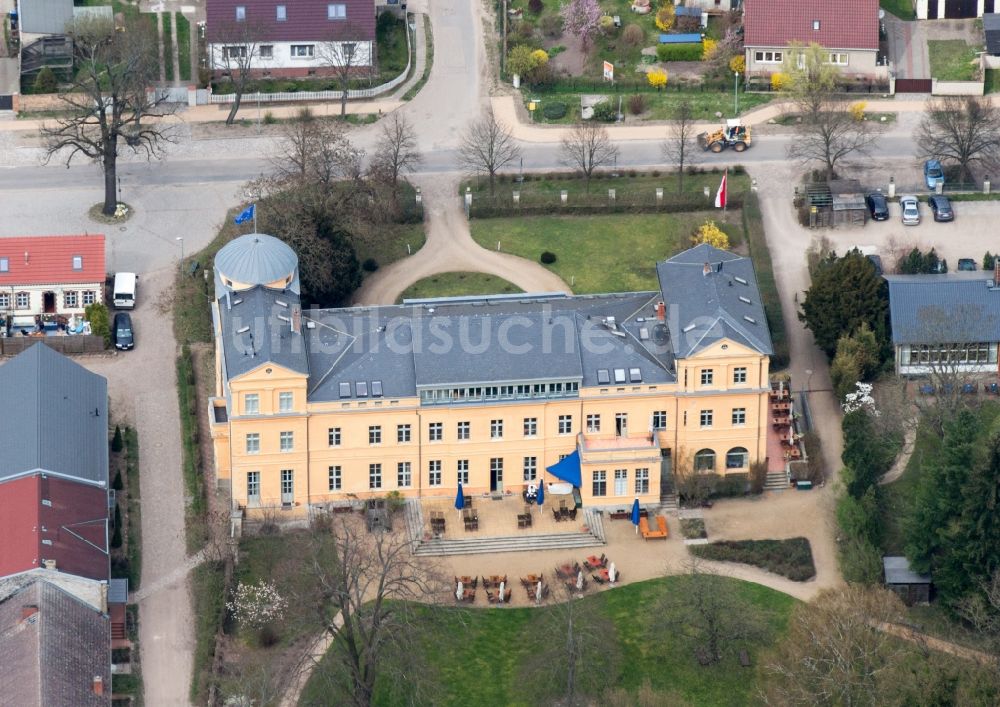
475	545
776	481
669	503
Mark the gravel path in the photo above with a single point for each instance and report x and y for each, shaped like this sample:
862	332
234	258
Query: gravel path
143	391
450	248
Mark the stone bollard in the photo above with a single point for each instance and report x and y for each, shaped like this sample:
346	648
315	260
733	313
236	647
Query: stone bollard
659	195
517	197
986	184
563	196
939	188
611	195
892	187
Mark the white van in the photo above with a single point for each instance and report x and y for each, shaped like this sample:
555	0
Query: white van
125	290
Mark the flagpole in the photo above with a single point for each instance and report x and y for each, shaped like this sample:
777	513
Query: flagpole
254	218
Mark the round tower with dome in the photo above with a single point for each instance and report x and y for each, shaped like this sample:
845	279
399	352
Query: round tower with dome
255	259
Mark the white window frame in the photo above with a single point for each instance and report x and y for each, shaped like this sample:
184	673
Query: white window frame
334	477
251	403
4	300
739	375
241	13
253	487
463	430
839	58
659	421
253	442
531	427
302	51
593	422
280	13
599	484
374	435
496	429
565	424
70	299
707	376
404	474
462	471
89	297
706	418
768	57
434	472
286	441
641	481
4	264
530	468
435	431
374	476
336	11
286	401
22	300
265	52
739	417
333	436
621	482
403	433
78	262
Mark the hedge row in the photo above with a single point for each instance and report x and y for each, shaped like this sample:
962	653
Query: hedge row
679	52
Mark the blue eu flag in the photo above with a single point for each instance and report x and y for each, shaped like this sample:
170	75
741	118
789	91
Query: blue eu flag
244	215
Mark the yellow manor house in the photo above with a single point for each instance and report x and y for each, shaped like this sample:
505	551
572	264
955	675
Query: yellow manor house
599	396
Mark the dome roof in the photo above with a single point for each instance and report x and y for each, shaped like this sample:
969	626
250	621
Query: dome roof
256	259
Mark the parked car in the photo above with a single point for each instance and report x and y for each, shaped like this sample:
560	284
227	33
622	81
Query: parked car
876	260
122	331
966	265
911	210
940	267
933	174
877	206
941	208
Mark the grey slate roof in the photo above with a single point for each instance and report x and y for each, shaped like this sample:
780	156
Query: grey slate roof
256	329
897	571
704	307
52	646
45	16
57	419
991	27
531	337
953	308
256	259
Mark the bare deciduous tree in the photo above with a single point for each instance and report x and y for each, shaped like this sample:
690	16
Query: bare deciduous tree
316	152
396	150
587	147
579	653
834	651
108	100
235	49
707	609
365	589
487	146
344	57
961	129
679	147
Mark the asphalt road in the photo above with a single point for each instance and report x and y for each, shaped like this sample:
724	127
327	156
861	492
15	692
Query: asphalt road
235	167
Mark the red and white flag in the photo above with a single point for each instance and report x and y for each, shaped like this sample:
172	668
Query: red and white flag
720	196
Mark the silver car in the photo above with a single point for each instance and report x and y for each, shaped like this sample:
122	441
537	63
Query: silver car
911	210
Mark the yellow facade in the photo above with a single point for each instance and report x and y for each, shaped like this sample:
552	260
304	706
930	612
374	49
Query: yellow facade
301	453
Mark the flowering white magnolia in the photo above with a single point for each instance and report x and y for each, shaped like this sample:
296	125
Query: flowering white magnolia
255	605
861	399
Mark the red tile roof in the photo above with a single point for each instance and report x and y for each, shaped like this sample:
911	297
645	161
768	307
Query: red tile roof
48	260
306	20
75	524
843	24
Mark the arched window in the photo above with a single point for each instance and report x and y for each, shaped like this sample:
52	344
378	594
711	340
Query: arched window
704	460
737	458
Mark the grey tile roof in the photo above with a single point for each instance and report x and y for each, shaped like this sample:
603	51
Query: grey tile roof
954	308
897	571
58	418
257	329
256	259
530	338
52	646
991	27
712	294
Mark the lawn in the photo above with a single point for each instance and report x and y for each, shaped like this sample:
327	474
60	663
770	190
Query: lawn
456	284
208	593
603	253
390	38
659	105
951	60
482	656
992	81
790	558
903	9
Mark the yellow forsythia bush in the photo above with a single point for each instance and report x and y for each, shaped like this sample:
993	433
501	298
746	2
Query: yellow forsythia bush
657	78
709	233
779	81
738	63
858	110
539	57
708	47
665	17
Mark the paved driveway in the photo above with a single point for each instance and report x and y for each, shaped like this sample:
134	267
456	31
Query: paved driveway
908	48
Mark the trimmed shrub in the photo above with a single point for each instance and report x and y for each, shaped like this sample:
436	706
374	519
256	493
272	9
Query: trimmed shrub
554	110
45	82
679	52
100	323
633	35
790	558
636	103
606	112
117	483
548	258
370	265
116	441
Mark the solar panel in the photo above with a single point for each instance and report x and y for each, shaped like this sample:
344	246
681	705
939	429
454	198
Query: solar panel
361	389
345	390
619	375
602	376
376	389
634	375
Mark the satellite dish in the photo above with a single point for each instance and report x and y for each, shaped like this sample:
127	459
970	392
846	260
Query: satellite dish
881	14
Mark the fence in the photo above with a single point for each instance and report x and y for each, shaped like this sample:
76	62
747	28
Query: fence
598	201
83	344
226	98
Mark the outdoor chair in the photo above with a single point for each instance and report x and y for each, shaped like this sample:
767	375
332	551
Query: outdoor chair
507	594
490	597
572	514
469	595
597	578
556	515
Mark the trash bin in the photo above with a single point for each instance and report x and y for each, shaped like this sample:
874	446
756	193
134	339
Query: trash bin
803	485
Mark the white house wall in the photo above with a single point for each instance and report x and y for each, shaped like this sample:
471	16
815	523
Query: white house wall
324	56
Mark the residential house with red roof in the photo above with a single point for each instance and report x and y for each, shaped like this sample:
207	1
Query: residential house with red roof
847	28
282	38
49	275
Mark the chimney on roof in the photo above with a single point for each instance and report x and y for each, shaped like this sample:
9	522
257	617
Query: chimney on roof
706	269
661	311
98	685
297	320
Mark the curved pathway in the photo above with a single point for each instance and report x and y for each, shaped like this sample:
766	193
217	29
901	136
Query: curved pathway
450	248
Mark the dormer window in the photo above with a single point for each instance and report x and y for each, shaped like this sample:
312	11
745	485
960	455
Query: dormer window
816	25
336	11
241	13
281	13
78	262
4	265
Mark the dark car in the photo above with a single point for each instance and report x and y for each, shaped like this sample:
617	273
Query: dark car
122	331
940	267
941	208
877	206
966	265
876	261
